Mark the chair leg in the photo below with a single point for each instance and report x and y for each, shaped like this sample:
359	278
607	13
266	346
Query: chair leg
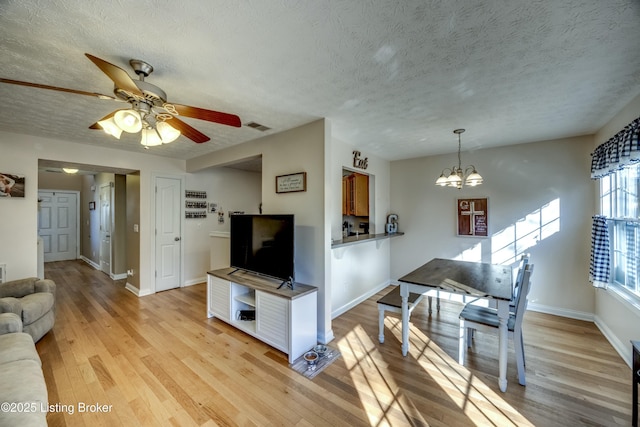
438	301
470	333
524	359
462	340
519	350
381	324
429	298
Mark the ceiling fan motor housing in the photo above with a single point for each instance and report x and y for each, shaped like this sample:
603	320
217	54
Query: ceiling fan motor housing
152	93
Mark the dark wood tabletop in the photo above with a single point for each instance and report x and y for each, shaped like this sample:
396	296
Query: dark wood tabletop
473	278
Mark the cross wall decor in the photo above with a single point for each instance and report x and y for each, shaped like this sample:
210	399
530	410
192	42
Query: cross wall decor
473	217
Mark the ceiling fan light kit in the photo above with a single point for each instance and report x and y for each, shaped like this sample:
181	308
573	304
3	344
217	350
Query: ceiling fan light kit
455	176
149	111
150	138
110	127
167	132
128	120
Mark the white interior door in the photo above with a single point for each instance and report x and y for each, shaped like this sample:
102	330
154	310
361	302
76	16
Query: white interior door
105	228
168	233
58	224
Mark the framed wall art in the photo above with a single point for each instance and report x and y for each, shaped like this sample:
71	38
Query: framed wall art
291	183
473	217
11	185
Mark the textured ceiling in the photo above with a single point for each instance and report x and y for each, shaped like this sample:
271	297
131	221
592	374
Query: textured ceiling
393	77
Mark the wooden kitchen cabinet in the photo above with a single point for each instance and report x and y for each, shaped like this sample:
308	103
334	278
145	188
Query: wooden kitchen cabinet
355	194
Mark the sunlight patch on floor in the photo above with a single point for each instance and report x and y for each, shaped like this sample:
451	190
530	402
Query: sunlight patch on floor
379	394
385	404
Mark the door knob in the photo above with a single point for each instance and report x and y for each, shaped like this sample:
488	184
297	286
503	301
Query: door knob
176	239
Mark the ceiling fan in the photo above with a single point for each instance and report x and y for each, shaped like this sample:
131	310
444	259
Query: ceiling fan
149	112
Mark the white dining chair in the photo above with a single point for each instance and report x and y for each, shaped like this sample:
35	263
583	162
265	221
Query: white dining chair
485	319
524	261
393	302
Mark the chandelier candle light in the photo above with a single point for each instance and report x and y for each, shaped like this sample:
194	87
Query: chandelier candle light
456	176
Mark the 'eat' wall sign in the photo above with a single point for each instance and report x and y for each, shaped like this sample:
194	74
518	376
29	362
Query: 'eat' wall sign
473	217
359	162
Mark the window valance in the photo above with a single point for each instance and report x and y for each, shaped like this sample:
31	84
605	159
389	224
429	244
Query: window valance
619	151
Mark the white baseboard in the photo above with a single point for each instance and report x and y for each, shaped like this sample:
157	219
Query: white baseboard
563	312
132	289
136	291
120	276
91	263
195	281
348	306
326	338
622	349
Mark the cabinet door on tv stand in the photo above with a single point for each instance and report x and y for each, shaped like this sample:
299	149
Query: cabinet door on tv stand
219	295
272	320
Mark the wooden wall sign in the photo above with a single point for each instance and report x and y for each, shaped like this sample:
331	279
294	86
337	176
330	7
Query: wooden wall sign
473	215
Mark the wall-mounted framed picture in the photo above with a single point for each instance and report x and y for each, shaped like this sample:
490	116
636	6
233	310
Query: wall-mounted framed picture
11	185
291	183
473	217
92	206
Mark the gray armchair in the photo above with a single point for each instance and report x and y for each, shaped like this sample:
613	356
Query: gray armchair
33	300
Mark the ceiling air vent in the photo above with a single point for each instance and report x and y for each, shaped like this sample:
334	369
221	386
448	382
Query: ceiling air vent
258	126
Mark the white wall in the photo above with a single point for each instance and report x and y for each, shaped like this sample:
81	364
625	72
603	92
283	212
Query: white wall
617	318
518	180
18	230
358	271
232	190
301	149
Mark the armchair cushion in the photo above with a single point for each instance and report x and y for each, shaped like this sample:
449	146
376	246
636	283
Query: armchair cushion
10	323
35	306
10	305
14	347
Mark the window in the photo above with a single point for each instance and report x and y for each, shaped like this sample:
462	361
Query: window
619	199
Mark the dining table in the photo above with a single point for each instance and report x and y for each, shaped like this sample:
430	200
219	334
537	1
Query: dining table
476	279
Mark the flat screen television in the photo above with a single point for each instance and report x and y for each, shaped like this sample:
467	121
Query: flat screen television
263	244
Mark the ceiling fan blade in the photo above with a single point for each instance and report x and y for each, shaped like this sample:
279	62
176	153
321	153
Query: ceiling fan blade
208	115
188	131
107	117
119	76
56	88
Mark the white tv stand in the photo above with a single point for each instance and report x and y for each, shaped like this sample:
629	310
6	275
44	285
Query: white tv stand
285	318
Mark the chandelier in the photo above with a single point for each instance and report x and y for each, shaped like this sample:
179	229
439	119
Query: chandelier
456	176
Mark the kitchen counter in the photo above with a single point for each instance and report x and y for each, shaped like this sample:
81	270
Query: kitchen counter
352	240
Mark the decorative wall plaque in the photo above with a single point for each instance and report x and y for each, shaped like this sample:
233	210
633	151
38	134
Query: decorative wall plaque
291	183
473	215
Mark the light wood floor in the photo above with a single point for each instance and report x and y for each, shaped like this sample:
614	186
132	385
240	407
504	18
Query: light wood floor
158	360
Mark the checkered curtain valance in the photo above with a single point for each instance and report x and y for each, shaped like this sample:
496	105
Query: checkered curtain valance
599	265
619	151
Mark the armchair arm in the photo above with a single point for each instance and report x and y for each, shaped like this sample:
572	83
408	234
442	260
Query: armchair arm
46	285
10	323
